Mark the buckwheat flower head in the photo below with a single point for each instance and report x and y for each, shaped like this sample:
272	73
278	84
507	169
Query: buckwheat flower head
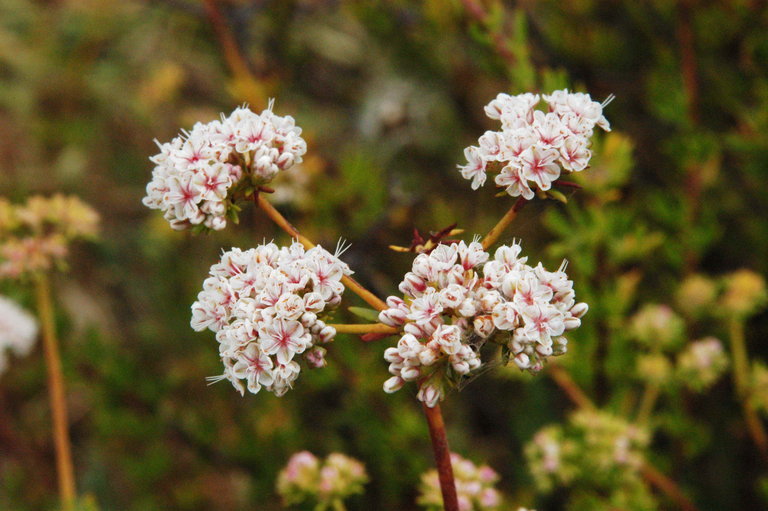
199	175
745	293
18	331
325	483
266	306
657	326
696	295
702	363
475	487
593	447
35	236
455	300
534	148
654	368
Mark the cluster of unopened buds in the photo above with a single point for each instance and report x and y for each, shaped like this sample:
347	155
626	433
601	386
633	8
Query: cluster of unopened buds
533	147
593	446
326	483
18	330
475	487
456	299
266	306
200	174
35	236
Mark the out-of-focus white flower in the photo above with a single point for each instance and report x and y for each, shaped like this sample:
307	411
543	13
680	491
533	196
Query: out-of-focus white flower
475	487
593	447
455	299
702	363
198	172
18	331
265	305
533	147
325	483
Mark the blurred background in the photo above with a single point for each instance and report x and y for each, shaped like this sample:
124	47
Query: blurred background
388	94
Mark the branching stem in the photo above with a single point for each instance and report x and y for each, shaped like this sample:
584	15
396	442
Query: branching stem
286	226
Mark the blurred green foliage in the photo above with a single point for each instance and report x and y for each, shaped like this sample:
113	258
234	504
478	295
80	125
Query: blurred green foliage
389	92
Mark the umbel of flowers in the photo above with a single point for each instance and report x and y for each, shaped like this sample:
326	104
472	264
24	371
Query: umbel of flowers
595	452
534	148
325	483
266	306
18	331
456	299
199	175
475	486
35	235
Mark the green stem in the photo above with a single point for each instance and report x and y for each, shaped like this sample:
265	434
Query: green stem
741	372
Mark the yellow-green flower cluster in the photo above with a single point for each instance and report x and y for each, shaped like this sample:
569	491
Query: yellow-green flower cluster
594	451
325	484
744	294
35	236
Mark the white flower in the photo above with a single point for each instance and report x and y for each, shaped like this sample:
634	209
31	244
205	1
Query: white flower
18	330
455	298
265	306
533	147
196	172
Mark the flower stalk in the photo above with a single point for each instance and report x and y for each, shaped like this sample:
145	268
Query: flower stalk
442	456
286	226
371	328
495	233
741	372
56	393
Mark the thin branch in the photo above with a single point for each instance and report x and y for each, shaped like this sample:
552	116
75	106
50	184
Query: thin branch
498	229
56	394
741	373
371	328
286	226
245	82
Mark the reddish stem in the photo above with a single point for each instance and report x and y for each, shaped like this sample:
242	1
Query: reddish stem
442	457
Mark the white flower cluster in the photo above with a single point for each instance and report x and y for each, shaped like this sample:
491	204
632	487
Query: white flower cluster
534	147
196	173
455	299
18	330
475	487
265	305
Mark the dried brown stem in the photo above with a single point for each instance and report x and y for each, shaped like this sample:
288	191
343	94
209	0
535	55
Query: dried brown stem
667	486
56	394
442	456
569	386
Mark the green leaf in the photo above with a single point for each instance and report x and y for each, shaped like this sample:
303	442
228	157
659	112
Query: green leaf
365	313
